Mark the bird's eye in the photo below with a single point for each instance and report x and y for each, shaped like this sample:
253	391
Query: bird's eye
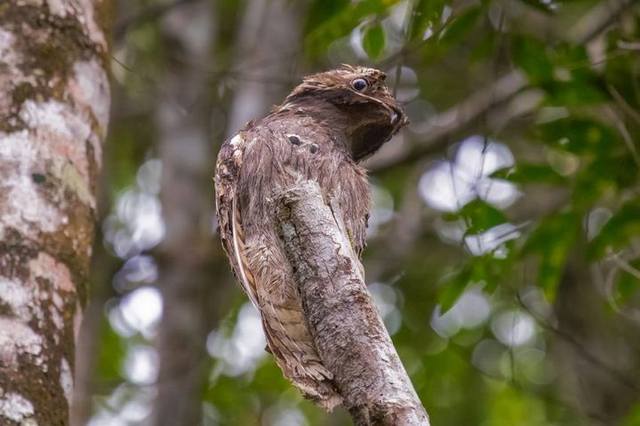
359	84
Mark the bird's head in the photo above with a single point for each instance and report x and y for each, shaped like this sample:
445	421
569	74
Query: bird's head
368	112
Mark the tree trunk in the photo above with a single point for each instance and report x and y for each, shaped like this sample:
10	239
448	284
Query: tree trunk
192	280
268	41
54	109
347	330
189	260
596	349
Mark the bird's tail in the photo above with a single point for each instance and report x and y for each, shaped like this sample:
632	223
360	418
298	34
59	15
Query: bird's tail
290	343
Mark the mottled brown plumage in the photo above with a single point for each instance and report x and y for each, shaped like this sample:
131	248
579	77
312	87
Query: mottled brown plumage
322	130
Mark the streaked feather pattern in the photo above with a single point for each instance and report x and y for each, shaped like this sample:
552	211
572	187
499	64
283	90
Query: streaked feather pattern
308	137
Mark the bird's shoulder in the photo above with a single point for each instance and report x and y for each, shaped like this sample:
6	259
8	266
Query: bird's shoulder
284	124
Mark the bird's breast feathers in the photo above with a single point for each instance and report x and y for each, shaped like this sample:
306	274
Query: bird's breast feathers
269	157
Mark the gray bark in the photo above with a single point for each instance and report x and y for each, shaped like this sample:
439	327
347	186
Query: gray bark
188	258
348	332
54	108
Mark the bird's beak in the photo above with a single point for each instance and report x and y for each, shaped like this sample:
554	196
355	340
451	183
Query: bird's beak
397	117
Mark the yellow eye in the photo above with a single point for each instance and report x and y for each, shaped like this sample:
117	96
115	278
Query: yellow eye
359	84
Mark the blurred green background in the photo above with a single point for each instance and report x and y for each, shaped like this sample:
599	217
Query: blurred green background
503	248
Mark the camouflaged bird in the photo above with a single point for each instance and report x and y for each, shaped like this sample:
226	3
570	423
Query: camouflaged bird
324	128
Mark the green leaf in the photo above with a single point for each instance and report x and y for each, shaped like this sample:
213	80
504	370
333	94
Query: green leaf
461	25
342	22
627	283
452	287
426	14
579	136
573	58
633	416
562	72
485	270
531	55
621	75
552	241
524	173
618	231
480	216
621	170
575	82
604	174
574	92
322	11
373	41
111	354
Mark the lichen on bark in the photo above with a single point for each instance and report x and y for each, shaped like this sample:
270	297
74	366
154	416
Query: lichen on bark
54	104
347	330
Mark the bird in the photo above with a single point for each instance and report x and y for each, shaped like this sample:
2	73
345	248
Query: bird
322	131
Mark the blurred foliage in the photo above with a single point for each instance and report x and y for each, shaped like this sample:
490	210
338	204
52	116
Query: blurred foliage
373	41
449	278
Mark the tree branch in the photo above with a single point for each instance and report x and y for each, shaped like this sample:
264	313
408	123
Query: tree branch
348	332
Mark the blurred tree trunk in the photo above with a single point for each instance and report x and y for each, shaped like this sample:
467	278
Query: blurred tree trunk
187	258
191	265
103	267
54	110
596	349
269	38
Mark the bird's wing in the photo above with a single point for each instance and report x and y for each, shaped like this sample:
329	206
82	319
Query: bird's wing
230	225
259	262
